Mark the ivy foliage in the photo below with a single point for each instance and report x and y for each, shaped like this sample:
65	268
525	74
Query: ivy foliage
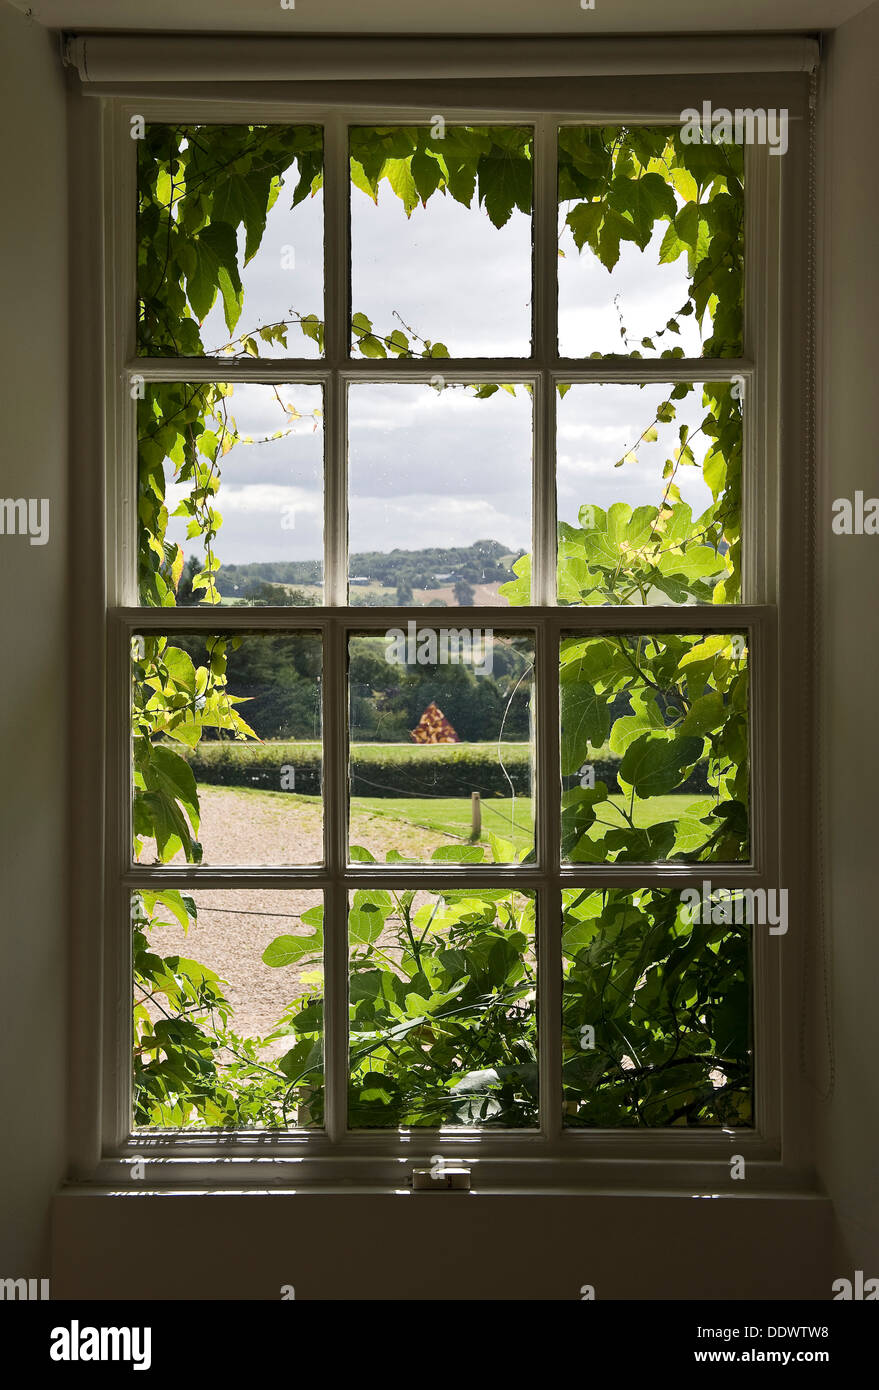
198	186
655	1013
667	704
442	1008
624	182
443	1025
659	553
190	1067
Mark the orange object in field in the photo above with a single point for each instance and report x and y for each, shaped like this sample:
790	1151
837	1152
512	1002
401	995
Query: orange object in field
433	727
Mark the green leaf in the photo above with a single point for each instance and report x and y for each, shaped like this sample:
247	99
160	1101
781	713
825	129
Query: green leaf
398	173
654	765
584	221
426	173
180	668
643	201
166	771
645	846
686	225
371	346
217	252
458	854
287	950
585	721
365	927
504	184
705	715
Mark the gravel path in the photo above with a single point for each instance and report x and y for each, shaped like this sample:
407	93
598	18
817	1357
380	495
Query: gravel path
236	925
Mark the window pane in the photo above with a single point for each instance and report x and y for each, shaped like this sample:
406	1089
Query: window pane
441	745
649	494
228	1009
443	1009
230	503
656	1013
654	748
651	244
440	493
226	749
230	241
441	241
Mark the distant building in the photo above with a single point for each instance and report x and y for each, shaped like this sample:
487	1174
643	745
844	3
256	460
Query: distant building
444	578
359	579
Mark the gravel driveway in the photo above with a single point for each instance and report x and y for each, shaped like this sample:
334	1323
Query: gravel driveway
236	925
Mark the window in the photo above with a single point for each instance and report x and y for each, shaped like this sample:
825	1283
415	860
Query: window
401	880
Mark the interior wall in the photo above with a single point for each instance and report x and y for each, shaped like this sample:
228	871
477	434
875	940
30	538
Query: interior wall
847	1122
33	665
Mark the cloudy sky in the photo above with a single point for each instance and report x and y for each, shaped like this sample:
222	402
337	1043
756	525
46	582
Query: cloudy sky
432	467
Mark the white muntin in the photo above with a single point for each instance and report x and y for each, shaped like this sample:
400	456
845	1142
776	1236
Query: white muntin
448	646
743	126
751	906
25	516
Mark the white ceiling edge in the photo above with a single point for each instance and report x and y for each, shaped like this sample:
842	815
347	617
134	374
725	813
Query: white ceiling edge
470	17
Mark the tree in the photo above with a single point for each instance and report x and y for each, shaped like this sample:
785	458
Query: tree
464	593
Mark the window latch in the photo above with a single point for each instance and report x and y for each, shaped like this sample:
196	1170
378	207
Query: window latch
441	1176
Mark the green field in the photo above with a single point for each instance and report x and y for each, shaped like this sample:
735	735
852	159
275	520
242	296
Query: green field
452	815
513	820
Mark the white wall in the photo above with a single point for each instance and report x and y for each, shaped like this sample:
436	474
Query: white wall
848	1123
33	660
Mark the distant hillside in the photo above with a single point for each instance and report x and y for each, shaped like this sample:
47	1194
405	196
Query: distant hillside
485	562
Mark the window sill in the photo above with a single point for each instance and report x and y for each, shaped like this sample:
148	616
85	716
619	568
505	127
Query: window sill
487	1244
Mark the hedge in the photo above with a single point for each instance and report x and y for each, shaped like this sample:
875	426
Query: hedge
378	769
391	769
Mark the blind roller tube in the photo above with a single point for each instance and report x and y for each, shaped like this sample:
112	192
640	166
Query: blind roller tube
104	58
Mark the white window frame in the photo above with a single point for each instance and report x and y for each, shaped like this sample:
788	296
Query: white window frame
776	585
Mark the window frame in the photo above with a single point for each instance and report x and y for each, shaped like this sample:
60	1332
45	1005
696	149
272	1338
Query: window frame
552	1157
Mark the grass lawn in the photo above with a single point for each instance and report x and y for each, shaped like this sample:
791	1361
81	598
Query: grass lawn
451	816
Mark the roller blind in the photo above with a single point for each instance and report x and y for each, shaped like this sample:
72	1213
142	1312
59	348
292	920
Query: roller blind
101	59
